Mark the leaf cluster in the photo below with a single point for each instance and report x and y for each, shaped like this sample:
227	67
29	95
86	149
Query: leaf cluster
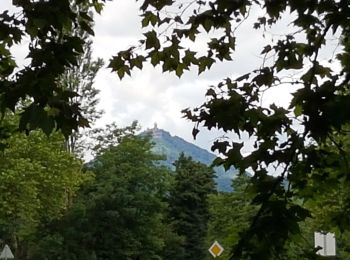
51	50
288	142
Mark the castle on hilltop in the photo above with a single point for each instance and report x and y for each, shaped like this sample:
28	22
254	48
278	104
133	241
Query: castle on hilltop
155	132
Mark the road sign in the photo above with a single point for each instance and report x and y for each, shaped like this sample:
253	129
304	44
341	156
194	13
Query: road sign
6	253
326	241
216	249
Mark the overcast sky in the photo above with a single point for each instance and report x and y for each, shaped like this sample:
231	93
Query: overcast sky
151	96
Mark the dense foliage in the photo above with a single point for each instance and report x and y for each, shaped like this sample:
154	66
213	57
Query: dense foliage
117	216
189	207
302	144
38	181
230	214
52	49
80	79
289	140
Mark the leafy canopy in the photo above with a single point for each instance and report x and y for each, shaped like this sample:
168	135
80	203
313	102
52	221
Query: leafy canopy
120	214
52	49
38	180
289	140
320	105
189	207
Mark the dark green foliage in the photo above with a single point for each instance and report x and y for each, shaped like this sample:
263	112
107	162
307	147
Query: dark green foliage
120	214
320	105
52	49
307	156
189	206
230	214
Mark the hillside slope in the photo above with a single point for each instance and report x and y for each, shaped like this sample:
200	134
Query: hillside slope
171	146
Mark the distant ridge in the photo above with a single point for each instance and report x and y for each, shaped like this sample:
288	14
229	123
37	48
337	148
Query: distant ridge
171	146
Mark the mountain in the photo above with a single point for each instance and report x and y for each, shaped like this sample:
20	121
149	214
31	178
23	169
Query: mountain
171	146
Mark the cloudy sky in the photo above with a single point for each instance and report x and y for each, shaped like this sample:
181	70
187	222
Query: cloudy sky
151	96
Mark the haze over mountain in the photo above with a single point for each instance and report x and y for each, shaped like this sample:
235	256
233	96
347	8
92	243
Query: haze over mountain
171	146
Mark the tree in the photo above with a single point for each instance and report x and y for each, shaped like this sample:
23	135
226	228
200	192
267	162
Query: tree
38	180
320	105
52	49
80	79
230	214
290	140
120	214
188	206
330	201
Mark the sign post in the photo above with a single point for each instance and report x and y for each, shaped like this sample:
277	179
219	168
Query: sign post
6	253
325	241
216	249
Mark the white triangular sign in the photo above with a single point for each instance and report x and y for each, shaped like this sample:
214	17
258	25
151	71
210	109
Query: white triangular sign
6	253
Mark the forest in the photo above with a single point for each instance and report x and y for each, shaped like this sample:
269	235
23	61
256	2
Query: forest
123	204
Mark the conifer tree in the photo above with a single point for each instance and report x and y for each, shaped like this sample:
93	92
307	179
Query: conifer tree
188	206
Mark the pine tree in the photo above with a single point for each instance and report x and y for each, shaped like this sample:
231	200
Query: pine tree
188	206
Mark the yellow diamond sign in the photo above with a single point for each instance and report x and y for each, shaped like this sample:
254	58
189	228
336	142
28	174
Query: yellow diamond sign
216	249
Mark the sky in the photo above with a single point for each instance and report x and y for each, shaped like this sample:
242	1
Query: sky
150	96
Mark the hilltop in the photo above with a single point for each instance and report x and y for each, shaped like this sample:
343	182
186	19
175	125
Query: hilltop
171	146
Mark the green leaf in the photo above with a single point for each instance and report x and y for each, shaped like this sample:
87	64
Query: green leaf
179	70
298	110
208	24
34	117
98	7
152	40
155	59
121	72
266	49
87	27
83	122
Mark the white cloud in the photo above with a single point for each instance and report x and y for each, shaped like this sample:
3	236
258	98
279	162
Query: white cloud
119	18
152	96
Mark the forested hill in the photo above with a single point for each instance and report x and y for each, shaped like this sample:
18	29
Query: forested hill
172	146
